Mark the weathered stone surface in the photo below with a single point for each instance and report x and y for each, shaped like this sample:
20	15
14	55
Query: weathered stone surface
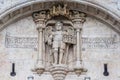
100	42
100	45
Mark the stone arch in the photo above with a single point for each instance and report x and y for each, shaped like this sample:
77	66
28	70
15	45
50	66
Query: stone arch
26	9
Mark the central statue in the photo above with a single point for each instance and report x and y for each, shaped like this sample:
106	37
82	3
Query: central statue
56	41
58	38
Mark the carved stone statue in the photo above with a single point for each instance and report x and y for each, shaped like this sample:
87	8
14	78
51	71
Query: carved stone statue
58	40
58	45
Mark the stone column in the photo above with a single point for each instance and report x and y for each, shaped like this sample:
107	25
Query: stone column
78	24
39	19
39	67
40	27
78	46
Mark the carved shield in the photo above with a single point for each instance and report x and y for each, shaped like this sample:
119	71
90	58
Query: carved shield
70	37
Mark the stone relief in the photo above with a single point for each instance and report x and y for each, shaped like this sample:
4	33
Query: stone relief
57	39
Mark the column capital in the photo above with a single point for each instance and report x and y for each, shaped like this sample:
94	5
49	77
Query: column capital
39	16
39	19
78	23
78	19
40	29
78	29
40	25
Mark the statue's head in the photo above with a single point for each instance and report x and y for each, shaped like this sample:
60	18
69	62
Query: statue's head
58	25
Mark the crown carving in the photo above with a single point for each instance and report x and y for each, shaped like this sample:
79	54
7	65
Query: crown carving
59	10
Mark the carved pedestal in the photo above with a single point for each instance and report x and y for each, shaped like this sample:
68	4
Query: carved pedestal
38	71
79	69
59	72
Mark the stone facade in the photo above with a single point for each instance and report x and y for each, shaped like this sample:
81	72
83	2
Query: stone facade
21	44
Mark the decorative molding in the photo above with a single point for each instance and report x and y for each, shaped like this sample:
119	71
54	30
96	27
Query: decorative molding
58	10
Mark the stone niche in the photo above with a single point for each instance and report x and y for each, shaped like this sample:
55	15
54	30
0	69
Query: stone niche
51	46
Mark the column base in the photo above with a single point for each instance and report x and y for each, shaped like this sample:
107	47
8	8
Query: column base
79	68
59	72
39	68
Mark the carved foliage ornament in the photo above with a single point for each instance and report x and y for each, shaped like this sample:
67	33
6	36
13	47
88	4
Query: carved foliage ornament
57	10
